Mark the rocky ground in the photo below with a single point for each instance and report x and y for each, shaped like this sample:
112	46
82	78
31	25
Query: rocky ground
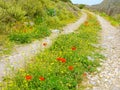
108	77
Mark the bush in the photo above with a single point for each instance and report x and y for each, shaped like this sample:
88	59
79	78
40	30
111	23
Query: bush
1	13
12	10
5	5
41	31
53	22
33	8
51	12
39	20
81	6
66	0
20	38
16	12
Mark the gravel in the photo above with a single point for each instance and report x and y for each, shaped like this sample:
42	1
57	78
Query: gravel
108	77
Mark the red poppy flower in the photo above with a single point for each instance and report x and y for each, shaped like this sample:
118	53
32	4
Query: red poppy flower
41	78
84	74
86	23
70	67
61	59
73	48
28	77
44	44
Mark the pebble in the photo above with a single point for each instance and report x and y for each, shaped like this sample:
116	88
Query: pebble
56	31
90	58
108	77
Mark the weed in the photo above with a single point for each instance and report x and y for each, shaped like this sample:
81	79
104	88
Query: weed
111	19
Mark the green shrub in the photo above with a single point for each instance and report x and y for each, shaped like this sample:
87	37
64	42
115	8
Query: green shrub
39	20
41	31
20	37
51	12
53	22
33	8
16	12
81	6
4	5
12	10
66	0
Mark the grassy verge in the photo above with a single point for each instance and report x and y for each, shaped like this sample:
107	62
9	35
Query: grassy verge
65	64
5	45
112	20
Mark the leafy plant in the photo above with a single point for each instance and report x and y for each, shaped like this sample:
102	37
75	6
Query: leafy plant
51	12
41	31
16	12
20	37
81	6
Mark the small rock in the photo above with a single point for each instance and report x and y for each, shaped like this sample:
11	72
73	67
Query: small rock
90	58
31	23
55	31
92	82
99	68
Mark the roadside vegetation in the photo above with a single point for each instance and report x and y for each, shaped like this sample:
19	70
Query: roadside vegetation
5	45
64	65
109	9
22	21
114	20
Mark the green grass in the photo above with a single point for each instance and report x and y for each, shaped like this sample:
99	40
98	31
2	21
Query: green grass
28	34
114	21
74	50
5	45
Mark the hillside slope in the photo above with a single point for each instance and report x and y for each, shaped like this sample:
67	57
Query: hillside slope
23	21
111	7
38	11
